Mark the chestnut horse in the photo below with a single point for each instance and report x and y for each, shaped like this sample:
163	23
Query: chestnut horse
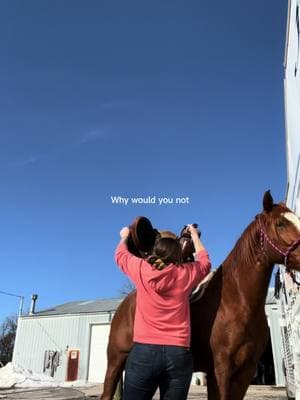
229	329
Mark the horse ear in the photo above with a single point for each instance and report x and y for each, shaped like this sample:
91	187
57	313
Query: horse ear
268	202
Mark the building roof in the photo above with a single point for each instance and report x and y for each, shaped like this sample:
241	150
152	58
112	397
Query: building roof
81	307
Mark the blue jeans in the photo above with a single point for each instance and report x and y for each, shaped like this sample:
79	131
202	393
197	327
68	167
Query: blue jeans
152	366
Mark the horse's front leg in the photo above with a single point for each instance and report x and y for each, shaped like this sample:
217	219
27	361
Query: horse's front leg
223	378
228	386
241	380
234	371
115	367
223	372
212	387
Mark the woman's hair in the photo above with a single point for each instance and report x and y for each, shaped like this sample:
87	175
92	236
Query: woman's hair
165	251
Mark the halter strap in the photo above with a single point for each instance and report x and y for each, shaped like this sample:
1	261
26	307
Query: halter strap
264	236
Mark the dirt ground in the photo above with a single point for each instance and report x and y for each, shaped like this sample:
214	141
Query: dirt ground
199	393
93	393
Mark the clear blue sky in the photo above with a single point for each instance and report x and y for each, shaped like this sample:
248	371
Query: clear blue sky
131	98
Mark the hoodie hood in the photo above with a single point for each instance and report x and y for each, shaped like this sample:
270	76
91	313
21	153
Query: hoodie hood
161	281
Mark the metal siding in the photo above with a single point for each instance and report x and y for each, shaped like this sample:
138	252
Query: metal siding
290	296
273	315
36	335
292	106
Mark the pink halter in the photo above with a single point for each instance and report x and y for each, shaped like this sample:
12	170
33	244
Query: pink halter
264	236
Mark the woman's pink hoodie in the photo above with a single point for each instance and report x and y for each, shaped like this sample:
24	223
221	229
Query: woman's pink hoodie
162	313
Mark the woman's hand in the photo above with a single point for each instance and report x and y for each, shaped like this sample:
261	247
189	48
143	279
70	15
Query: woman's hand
193	230
195	238
124	232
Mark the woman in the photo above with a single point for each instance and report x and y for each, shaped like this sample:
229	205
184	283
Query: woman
160	356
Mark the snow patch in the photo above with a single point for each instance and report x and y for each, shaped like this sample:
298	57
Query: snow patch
14	376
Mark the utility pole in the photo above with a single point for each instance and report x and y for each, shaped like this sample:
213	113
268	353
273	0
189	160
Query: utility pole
21	300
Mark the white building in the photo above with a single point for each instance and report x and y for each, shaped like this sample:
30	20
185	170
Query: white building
274	351
290	293
68	341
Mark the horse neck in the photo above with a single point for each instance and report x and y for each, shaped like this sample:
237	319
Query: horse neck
246	270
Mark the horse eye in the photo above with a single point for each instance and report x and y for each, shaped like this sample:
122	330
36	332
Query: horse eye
281	223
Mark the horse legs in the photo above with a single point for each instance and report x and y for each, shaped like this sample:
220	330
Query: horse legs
231	385
115	366
223	375
119	389
212	387
241	380
223	384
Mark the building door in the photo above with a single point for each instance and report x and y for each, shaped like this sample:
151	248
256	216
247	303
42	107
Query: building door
98	358
73	363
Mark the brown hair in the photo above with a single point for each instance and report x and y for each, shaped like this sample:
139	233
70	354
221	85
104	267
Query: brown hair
165	250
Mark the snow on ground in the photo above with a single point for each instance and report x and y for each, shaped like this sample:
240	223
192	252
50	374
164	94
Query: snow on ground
13	376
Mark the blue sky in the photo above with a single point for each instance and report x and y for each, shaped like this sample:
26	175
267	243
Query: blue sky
113	98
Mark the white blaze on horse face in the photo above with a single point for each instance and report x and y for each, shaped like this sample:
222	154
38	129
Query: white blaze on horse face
293	219
184	245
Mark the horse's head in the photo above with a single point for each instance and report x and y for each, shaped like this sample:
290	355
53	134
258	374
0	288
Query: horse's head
280	233
186	243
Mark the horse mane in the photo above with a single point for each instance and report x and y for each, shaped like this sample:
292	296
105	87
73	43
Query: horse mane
245	249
